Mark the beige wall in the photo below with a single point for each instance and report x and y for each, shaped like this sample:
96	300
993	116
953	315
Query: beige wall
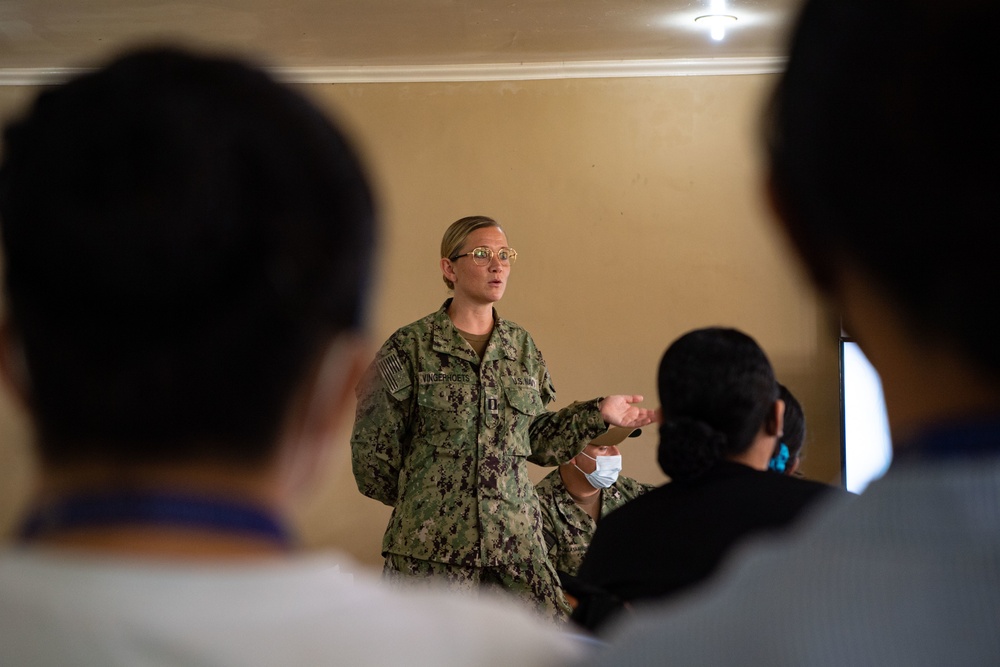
634	206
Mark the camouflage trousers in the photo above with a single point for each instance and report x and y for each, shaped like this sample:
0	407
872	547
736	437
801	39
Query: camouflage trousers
531	584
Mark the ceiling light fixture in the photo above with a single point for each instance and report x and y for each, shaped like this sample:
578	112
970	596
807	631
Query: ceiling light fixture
717	24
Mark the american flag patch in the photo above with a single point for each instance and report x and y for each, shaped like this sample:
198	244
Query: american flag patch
393	374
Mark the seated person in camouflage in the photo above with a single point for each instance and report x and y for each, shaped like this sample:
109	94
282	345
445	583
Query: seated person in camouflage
578	493
449	415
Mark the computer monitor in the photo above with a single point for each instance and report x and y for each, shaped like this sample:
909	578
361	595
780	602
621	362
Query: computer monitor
866	446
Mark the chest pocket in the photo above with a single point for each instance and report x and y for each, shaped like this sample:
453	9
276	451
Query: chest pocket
525	403
446	412
524	400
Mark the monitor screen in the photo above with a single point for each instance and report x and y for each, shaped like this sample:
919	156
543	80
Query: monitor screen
866	447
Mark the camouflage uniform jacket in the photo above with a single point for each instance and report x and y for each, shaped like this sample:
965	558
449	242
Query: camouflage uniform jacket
445	439
568	528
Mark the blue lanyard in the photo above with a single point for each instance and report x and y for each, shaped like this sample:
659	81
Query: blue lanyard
146	508
970	439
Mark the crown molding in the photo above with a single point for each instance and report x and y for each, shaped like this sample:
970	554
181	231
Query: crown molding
37	76
40	76
532	71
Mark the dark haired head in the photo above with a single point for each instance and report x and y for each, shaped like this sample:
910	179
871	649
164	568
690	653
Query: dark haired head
716	389
885	153
183	238
794	426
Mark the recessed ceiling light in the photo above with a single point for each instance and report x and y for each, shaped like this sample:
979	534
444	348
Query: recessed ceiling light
717	24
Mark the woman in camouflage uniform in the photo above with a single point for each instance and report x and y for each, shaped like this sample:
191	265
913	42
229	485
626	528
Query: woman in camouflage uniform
452	409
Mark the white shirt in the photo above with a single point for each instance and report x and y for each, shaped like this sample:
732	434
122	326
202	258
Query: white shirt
58	609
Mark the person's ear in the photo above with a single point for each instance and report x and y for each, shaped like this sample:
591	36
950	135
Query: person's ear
575	461
782	216
775	201
819	263
319	411
775	423
447	269
13	365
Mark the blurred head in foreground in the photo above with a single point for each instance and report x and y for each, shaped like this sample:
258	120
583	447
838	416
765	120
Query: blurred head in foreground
883	159
187	251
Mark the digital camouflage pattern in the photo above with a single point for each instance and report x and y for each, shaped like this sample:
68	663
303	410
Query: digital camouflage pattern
532	584
568	529
445	441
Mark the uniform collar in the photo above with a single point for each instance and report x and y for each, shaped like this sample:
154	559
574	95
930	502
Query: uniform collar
610	493
972	438
449	341
102	509
570	511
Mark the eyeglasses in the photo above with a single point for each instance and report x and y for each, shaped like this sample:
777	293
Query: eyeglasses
483	255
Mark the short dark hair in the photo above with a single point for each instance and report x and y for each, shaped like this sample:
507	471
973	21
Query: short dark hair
716	388
183	236
884	150
794	427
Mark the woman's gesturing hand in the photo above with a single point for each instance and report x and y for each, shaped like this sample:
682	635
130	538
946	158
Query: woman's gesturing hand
619	410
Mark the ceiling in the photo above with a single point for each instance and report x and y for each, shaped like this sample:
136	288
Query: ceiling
36	35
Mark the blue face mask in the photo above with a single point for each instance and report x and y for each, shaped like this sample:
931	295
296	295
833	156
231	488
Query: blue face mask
606	472
780	460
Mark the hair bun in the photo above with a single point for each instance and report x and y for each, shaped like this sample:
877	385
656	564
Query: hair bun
688	447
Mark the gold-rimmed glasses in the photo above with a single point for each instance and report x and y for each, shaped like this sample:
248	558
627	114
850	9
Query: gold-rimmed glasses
483	255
